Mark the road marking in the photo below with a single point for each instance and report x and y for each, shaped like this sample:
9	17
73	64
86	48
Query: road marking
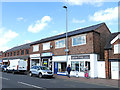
4	78
29	85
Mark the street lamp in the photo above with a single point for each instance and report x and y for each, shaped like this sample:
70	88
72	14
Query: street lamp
66	50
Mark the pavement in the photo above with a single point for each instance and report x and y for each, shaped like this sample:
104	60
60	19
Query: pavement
105	82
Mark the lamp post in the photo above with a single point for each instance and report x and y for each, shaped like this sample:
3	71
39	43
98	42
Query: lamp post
66	50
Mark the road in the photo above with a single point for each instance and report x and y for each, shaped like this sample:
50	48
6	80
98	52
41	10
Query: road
10	80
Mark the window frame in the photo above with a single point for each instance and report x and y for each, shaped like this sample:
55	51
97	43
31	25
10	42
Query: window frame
116	52
58	41
35	50
79	36
47	48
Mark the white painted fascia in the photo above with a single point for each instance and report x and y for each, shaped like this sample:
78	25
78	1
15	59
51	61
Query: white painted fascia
116	38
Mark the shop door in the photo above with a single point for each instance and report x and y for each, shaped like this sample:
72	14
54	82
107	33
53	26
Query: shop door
55	67
45	62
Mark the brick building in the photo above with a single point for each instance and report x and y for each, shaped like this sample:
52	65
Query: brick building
86	47
112	56
1	53
18	52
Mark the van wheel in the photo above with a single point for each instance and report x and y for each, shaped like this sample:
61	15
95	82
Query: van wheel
40	75
13	72
30	74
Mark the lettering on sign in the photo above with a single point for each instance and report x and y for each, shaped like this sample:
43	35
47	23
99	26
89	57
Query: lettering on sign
81	57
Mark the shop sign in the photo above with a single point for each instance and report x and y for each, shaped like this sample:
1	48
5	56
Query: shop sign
81	57
35	55
46	54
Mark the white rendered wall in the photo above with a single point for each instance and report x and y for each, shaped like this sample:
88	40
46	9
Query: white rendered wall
101	69
93	62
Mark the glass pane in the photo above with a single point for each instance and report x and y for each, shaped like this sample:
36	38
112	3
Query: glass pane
81	66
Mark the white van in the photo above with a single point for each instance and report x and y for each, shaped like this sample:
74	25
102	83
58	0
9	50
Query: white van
17	65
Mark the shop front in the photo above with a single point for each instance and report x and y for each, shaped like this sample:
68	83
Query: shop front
59	65
46	59
80	62
35	60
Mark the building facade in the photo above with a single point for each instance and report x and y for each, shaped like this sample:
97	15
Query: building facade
112	56
86	47
18	52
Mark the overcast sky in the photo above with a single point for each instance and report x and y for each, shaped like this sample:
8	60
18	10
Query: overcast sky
24	22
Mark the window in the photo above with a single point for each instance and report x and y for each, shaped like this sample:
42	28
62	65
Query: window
75	66
14	53
35	48
11	54
46	46
60	43
79	40
27	51
116	48
8	54
17	52
22	52
5	54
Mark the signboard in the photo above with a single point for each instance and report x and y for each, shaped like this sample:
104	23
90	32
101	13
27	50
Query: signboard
35	55
81	57
46	54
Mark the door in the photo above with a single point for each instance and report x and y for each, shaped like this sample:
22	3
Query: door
45	62
55	67
115	70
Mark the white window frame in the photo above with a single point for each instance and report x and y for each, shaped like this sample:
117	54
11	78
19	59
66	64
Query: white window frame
58	41
117	49
48	43
36	48
79	36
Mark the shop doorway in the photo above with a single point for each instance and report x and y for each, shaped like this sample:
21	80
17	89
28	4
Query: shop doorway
45	62
35	62
59	67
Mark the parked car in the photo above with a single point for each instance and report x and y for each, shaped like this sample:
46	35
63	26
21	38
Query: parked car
4	68
17	65
41	71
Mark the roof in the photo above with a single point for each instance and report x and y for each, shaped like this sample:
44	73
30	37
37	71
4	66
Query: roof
72	33
24	46
16	57
111	37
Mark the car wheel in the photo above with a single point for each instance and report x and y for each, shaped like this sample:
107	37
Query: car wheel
40	75
7	70
30	74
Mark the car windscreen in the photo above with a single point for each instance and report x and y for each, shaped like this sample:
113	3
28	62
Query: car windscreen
44	68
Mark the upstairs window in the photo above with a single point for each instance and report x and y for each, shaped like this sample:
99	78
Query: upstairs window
27	51
11	54
5	54
8	54
46	46
60	43
79	40
35	48
14	53
18	52
22	52
117	49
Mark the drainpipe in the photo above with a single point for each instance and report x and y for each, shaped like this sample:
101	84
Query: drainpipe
108	64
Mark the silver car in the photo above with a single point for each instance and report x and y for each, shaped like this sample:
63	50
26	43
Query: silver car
40	71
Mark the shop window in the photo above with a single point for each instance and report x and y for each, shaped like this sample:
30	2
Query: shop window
75	66
35	48
60	43
17	52
22	52
46	46
116	48
62	66
81	66
87	64
79	40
